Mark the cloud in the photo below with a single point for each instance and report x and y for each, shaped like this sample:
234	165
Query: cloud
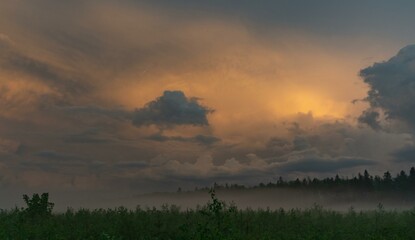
331	138
204	168
323	17
90	136
391	89
300	143
208	140
15	60
53	155
52	166
405	154
371	118
10	146
173	108
318	164
88	71
53	162
201	139
99	111
131	164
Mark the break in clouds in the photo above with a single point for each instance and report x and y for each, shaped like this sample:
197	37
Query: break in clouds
145	97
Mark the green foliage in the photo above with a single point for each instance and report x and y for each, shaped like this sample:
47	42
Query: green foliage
38	206
215	220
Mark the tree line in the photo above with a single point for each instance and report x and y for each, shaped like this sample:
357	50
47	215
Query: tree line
402	181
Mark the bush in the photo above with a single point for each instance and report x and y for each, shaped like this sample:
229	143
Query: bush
38	206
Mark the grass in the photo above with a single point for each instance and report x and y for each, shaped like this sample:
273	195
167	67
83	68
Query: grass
215	220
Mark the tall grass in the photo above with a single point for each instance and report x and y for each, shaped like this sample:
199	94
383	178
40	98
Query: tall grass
215	220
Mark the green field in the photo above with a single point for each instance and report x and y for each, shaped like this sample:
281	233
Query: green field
215	220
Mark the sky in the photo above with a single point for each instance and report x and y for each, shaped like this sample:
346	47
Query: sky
144	96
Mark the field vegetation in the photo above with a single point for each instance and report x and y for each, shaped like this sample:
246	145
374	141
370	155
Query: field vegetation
214	220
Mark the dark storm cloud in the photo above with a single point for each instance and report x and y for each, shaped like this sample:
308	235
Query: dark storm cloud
406	154
173	108
321	165
200	139
391	89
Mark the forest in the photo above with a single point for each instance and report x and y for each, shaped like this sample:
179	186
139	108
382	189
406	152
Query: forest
402	182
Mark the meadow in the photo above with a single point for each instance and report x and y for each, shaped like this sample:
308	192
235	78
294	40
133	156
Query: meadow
214	220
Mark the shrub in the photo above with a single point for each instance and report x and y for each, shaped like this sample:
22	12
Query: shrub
38	206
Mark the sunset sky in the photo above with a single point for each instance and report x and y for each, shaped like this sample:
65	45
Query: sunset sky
142	96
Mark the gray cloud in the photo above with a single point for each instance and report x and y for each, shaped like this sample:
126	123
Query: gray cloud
371	118
15	60
98	111
53	155
55	167
208	140
406	154
10	146
93	136
391	89
52	161
172	108
318	164
323	16
131	165
300	143
201	139
277	142
331	138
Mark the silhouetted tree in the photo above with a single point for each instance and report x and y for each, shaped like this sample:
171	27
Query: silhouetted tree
411	178
401	181
337	179
367	181
38	206
280	182
387	180
361	182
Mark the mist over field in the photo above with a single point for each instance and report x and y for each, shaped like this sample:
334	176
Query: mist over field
258	198
284	198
